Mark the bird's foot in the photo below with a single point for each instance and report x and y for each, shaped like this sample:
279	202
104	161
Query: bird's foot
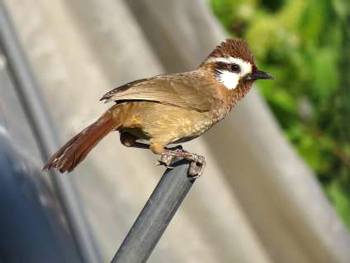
166	159
197	162
197	165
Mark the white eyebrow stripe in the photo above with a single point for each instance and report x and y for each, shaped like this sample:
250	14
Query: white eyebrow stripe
228	60
246	66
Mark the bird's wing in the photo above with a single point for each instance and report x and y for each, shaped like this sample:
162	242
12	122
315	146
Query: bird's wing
187	90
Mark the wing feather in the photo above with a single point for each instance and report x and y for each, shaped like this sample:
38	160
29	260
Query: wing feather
182	90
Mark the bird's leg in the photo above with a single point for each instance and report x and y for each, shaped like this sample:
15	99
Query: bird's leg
129	140
166	159
197	162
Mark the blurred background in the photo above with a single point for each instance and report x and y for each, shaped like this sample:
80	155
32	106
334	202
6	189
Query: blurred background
277	183
307	45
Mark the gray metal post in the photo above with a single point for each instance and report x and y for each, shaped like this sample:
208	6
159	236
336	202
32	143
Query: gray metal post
156	215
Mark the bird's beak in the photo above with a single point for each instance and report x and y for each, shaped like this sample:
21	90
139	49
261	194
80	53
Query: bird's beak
258	74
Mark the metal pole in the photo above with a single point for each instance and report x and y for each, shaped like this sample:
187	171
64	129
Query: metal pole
28	92
156	215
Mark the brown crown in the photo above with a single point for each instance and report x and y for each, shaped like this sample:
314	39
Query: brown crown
233	48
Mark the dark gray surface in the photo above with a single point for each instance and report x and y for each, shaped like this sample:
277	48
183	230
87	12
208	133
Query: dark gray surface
156	215
30	227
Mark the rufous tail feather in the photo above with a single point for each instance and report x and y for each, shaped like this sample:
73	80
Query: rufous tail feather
75	150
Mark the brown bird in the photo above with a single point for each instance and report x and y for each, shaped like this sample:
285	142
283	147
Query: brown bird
169	109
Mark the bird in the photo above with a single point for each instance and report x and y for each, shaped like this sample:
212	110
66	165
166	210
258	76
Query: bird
154	113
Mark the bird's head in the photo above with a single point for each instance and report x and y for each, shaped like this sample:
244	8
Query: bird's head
232	64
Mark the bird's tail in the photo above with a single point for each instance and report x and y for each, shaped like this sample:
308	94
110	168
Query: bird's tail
75	150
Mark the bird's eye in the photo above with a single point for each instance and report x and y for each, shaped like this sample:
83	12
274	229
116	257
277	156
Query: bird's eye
235	68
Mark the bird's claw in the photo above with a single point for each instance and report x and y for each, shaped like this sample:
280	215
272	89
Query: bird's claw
197	165
165	160
196	168
197	162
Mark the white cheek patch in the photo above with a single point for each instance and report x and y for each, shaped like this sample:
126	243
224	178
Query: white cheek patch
229	79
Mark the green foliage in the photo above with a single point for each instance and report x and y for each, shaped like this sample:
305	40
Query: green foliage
306	45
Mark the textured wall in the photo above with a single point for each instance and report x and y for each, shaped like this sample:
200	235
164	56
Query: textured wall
257	201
